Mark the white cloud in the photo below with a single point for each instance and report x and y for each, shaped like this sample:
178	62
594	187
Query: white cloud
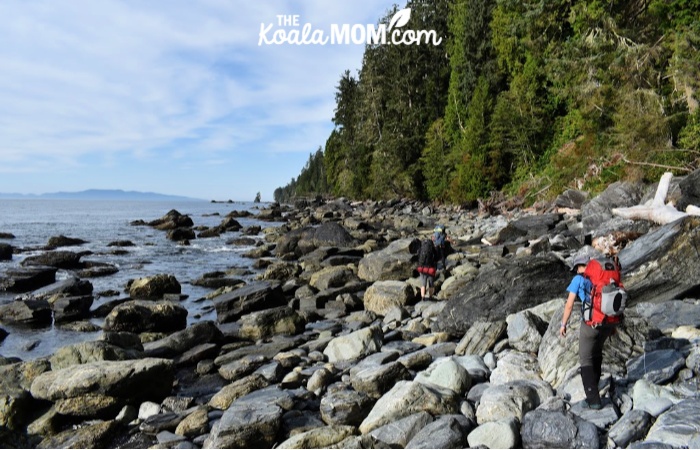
85	81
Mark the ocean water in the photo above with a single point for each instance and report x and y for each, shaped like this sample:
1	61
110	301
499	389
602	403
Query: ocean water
33	222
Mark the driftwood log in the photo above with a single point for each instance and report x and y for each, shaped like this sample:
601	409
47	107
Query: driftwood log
657	210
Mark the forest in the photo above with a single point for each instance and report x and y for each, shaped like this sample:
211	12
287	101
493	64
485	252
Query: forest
521	98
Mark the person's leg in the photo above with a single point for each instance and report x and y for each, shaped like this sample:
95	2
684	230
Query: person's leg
588	343
431	287
423	281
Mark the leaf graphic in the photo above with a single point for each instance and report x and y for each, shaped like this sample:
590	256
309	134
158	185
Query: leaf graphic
400	18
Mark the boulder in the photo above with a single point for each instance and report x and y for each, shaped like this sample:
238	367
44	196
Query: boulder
446	373
68	309
669	315
554	429
397	434
63	241
69	287
94	435
305	240
16	404
239	388
395	262
660	266
448	431
132	380
480	338
5	252
154	288
499	434
493	294
182	341
617	195
631	427
571	198
513	365
252	297
659	366
355	345
345	407
181	234
270	322
85	352
172	220
322	437
58	259
381	296
525	331
27	279
332	277
139	316
410	397
507	401
245	425
677	426
31	313
690	191
375	381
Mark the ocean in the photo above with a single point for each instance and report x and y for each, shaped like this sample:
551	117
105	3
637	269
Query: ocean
34	221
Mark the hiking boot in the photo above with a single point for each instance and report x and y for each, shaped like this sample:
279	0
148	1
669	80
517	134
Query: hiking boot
592	405
590	387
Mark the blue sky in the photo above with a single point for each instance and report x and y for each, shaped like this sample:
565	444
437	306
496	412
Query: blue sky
174	97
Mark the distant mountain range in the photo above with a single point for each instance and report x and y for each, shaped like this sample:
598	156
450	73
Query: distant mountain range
100	194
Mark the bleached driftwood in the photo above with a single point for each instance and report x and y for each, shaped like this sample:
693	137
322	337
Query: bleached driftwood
657	211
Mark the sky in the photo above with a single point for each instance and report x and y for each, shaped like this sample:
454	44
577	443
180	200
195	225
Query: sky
178	97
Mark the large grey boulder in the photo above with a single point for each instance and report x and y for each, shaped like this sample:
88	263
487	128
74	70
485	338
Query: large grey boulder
480	338
554	429
171	221
355	345
632	426
345	407
410	397
661	265
397	434
494	294
657	366
322	437
617	195
16	404
499	434
305	240
133	380
382	296
68	309
669	315
446	373
375	381
506	401
525	331
252	297
395	262
678	425
448	431
332	277
85	352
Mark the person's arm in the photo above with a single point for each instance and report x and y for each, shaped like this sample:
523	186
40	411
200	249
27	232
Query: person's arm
567	313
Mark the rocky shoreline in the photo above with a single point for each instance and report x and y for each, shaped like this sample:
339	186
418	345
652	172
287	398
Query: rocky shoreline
331	346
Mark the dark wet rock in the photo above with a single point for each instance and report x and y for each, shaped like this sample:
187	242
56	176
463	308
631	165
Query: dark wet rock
398	434
140	316
16	407
31	313
270	322
58	259
95	269
375	381
6	251
182	341
123	339
305	240
96	435
216	280
493	295
68	309
4	235
27	278
71	286
242	242
252	297
181	234
690	191
63	241
123	243
171	221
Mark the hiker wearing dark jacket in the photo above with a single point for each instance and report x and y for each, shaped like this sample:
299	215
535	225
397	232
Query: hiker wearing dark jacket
591	338
427	267
441	241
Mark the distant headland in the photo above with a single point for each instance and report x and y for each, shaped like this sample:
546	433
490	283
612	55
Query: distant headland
100	194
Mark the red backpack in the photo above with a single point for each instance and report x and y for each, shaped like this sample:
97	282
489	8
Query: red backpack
608	296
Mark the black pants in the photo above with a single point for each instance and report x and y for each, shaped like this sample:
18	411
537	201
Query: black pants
591	341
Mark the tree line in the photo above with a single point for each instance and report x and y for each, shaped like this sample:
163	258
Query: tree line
522	97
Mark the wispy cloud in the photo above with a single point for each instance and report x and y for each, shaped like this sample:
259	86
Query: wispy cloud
103	85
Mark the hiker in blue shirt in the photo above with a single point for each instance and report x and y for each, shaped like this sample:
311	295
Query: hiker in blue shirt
441	241
591	339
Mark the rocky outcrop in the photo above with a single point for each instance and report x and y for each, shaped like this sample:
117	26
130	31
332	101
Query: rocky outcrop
140	316
250	298
27	278
154	288
395	262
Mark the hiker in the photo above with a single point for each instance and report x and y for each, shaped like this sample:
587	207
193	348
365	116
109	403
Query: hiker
427	267
592	284
441	241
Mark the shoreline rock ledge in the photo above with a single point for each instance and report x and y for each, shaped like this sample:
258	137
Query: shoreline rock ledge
332	346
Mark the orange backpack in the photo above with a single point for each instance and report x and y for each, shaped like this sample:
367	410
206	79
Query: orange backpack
608	297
